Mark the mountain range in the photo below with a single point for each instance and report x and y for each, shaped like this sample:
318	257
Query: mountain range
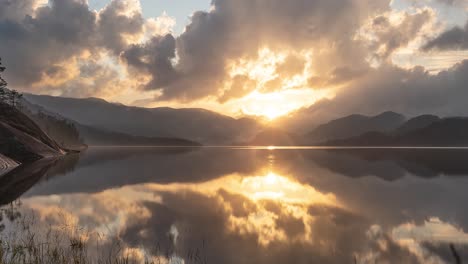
355	125
74	135
445	132
197	125
103	123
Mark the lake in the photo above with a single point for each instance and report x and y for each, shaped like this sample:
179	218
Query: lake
240	205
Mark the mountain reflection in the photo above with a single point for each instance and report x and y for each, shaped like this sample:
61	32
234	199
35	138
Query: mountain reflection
263	205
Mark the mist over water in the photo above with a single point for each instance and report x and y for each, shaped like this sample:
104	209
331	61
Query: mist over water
255	205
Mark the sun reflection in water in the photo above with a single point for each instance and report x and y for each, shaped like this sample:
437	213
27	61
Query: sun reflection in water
275	187
270	186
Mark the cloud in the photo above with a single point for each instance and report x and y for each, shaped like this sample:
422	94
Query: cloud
453	2
453	39
117	22
241	85
32	46
215	39
16	10
45	47
155	58
412	91
234	30
65	48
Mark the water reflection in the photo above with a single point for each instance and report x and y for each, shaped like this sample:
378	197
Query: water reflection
221	205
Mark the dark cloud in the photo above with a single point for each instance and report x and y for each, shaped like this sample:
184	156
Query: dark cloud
453	39
444	251
154	58
43	46
410	91
114	25
336	76
32	47
413	91
16	10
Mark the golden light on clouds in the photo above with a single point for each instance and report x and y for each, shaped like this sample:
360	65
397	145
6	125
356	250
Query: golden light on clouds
269	85
262	69
275	83
290	197
254	194
273	186
226	59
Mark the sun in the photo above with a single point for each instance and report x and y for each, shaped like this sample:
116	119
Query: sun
271	113
274	105
275	86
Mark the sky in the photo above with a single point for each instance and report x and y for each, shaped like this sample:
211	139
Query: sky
180	10
268	58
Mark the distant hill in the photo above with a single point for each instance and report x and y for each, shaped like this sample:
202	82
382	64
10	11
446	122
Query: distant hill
418	122
60	129
354	125
446	132
98	137
193	124
22	140
273	137
74	135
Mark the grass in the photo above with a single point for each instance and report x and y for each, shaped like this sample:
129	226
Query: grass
24	241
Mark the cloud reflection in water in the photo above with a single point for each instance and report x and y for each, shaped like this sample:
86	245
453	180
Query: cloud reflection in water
264	206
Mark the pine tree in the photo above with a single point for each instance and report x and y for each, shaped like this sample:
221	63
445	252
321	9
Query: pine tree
12	97
3	85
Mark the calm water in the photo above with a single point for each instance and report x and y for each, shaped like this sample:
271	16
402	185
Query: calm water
247	205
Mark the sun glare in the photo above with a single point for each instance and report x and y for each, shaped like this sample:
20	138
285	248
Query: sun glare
276	87
273	186
278	104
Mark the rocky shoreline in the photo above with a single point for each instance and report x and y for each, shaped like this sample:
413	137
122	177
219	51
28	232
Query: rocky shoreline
6	164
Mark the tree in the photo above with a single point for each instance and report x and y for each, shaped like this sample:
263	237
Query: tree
3	84
15	97
11	97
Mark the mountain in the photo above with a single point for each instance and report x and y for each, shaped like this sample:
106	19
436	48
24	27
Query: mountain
417	123
74	135
60	129
273	137
447	132
355	125
193	124
98	137
22	140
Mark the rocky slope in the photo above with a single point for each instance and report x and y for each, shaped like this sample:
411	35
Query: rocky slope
22	140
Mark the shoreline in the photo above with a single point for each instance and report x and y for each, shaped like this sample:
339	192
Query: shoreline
7	164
